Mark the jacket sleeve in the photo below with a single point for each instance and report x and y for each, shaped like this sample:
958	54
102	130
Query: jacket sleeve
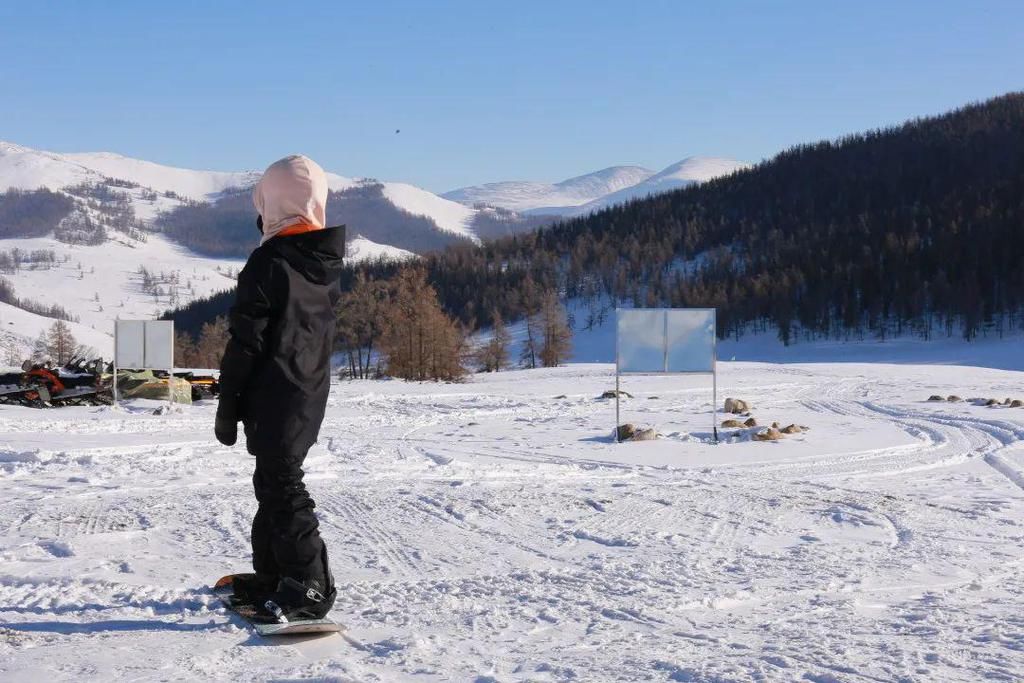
249	321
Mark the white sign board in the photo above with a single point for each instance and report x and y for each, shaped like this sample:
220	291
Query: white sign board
665	340
144	344
640	339
657	341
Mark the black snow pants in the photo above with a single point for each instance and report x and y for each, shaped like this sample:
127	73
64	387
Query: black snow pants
285	532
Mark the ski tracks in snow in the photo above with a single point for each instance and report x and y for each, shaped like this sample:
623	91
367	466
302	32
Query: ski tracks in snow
492	532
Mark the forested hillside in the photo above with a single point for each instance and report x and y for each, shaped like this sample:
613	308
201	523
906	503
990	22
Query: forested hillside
913	229
32	213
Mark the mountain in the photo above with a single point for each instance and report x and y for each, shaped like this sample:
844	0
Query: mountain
686	172
594	191
527	196
145	193
913	230
102	235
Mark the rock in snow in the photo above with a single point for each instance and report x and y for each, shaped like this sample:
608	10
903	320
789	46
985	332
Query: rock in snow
735	405
770	434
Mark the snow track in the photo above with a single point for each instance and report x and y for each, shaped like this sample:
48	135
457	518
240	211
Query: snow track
491	532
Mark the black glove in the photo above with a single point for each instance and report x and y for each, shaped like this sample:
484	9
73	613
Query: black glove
225	427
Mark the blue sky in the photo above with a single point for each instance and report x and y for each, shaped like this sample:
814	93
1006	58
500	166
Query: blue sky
486	91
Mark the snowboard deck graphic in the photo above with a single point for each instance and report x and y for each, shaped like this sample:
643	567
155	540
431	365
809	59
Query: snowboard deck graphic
223	589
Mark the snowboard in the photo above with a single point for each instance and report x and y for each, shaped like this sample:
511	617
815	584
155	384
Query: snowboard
264	626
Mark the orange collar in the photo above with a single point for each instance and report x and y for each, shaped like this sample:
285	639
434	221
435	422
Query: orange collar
297	229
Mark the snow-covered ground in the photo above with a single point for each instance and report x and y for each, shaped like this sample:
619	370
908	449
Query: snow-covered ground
491	531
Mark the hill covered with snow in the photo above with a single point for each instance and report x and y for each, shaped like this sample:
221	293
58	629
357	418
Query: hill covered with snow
151	189
525	195
593	191
132	238
686	172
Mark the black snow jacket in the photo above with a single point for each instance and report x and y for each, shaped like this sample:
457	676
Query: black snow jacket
276	367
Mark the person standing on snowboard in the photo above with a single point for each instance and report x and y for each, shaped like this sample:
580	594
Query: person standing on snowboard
274	378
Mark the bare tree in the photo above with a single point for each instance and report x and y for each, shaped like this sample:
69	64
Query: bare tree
13	355
184	350
556	340
360	324
493	355
421	342
56	344
531	307
213	337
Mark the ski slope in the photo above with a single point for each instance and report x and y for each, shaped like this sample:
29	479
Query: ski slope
491	531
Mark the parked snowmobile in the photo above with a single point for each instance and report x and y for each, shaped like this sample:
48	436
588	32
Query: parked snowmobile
40	385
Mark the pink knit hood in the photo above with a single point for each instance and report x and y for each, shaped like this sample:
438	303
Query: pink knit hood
291	197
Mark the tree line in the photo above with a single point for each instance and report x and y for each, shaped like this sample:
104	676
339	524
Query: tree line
914	229
32	213
397	328
8	296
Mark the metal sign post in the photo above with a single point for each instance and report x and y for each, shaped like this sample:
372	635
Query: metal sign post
666	341
114	378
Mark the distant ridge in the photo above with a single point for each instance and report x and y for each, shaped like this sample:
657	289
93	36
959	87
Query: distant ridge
594	191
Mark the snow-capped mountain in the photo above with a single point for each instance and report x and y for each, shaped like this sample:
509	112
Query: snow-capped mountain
594	191
30	169
686	172
534	197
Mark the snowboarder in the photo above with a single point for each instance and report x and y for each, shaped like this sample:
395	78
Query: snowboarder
274	378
